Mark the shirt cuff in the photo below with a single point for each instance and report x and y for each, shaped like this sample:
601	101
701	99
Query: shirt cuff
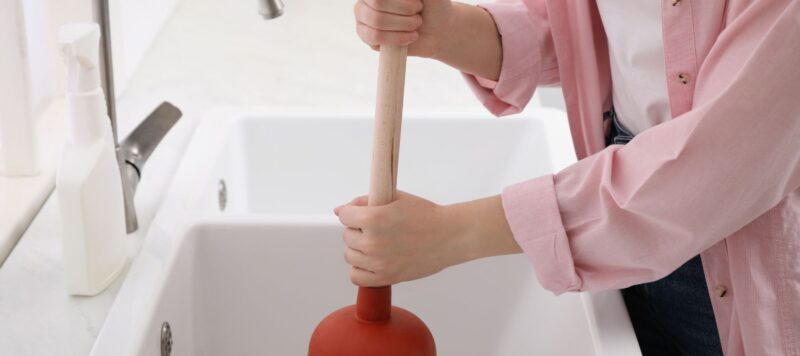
531	209
520	66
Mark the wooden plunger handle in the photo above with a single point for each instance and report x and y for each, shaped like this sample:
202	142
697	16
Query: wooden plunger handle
374	304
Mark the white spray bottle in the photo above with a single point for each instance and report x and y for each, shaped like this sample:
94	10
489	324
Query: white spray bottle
88	183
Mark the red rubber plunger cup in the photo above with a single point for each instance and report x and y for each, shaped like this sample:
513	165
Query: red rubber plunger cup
373	327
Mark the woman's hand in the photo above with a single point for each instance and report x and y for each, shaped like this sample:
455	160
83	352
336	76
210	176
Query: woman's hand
411	237
407	239
422	25
460	35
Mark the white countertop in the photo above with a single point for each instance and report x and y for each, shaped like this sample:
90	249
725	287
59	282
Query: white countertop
22	197
211	53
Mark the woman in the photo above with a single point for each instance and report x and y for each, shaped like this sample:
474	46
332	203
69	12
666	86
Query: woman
711	92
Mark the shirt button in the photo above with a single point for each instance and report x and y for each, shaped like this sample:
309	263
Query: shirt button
684	78
720	291
676	2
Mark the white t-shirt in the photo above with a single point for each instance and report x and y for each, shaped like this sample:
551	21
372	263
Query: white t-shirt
636	50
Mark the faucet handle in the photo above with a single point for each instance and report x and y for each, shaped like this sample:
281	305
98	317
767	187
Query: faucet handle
136	149
144	139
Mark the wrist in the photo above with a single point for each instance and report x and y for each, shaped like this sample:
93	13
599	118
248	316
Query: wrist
479	229
449	34
463	241
470	42
459	232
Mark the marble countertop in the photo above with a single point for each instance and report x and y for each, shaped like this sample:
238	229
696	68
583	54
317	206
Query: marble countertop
211	53
22	197
38	317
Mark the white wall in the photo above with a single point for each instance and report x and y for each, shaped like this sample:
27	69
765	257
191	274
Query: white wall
47	71
18	156
31	73
135	24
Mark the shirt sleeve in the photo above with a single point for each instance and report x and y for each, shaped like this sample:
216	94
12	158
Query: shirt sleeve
529	57
632	214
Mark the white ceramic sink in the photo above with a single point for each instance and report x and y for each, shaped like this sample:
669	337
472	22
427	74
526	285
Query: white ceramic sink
256	277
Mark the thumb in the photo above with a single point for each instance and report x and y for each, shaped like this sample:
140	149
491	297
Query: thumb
358	201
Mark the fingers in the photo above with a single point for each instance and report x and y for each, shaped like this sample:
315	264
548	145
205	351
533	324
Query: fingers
355	239
375	37
358	201
388	22
357	259
365	271
365	278
365	217
396	7
354	216
357	215
384	21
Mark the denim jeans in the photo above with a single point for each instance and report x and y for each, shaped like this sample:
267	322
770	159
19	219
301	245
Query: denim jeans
673	315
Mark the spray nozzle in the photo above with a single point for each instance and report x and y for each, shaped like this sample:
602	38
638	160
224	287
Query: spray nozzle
80	48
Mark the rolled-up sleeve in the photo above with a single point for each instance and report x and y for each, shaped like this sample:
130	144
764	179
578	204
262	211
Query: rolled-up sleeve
631	214
529	57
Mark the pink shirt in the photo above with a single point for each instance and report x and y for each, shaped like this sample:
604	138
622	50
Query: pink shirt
721	177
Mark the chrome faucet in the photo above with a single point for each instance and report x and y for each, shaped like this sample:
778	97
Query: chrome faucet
133	152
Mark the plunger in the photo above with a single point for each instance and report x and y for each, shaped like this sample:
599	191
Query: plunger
373	326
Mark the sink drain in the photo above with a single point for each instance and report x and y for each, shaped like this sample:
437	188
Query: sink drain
222	194
166	339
